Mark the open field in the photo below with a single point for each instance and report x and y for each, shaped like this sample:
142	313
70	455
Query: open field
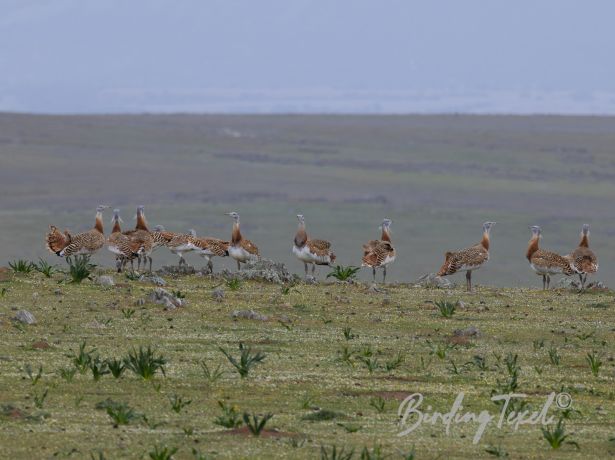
304	369
437	177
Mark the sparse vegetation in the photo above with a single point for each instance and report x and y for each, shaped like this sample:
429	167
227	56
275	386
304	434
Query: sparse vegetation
45	268
145	363
79	268
178	402
22	266
230	418
446	308
557	436
255	423
595	363
342	273
247	360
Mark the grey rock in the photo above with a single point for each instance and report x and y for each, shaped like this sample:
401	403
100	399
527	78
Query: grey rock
163	297
263	270
249	314
431	280
567	283
177	270
471	331
217	294
25	317
154	279
106	280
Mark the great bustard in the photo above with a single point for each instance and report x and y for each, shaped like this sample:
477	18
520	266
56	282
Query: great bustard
161	237
121	245
66	245
468	259
309	251
582	259
142	238
545	263
379	253
182	243
240	249
210	247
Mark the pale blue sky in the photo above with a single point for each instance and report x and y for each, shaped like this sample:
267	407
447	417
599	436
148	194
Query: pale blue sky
307	55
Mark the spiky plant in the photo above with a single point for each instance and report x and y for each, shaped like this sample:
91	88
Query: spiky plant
80	268
342	273
45	268
162	453
230	417
595	363
557	436
246	360
255	423
145	363
22	266
446	308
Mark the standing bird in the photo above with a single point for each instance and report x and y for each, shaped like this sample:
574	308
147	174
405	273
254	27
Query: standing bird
315	252
161	237
122	246
545	263
209	247
379	253
66	245
583	260
240	249
468	259
182	243
142	238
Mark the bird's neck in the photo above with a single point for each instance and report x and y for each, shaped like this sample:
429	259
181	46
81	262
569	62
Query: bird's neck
236	236
386	236
116	227
99	223
532	247
141	222
485	240
584	241
301	236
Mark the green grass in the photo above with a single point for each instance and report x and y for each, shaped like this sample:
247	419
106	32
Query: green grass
315	379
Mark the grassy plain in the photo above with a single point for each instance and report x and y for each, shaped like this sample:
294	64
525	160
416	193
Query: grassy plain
303	341
437	177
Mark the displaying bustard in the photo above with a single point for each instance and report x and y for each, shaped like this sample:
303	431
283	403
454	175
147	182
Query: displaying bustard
142	238
161	237
121	245
182	243
240	249
582	259
66	245
309	251
545	263
468	259
379	253
210	247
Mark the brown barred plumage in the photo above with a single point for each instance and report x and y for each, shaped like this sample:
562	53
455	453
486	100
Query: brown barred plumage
309	251
545	263
379	253
582	259
468	259
66	245
240	249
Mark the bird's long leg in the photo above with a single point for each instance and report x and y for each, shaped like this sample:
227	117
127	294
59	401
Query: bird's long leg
544	282
238	265
210	266
384	275
548	281
469	280
313	268
306	269
374	275
150	263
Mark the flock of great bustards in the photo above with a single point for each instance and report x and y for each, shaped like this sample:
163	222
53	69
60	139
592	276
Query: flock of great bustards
141	242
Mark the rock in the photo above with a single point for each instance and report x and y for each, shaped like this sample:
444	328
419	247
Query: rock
154	279
263	270
310	280
217	294
471	331
6	274
176	270
106	280
95	325
431	280
249	314
163	297
567	283
41	345
25	317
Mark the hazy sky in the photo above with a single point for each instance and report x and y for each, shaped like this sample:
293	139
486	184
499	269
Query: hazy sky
307	55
